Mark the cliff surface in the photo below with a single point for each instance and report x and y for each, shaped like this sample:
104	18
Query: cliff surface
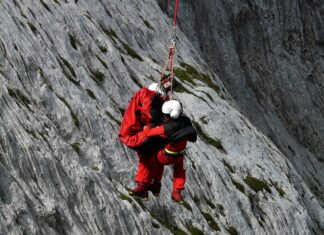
68	70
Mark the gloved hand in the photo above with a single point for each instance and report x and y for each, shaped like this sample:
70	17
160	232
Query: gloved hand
154	131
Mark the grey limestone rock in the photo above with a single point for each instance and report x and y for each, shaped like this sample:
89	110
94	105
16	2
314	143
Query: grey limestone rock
67	71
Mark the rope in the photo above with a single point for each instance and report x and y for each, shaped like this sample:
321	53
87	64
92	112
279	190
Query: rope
175	13
169	61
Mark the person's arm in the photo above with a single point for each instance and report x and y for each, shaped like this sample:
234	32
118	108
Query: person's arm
139	138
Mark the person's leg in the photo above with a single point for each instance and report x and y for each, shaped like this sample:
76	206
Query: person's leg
143	169
142	178
156	172
179	179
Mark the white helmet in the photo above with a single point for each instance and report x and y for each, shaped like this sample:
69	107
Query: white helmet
157	87
173	108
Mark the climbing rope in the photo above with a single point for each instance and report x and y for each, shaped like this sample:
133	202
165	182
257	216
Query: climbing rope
169	60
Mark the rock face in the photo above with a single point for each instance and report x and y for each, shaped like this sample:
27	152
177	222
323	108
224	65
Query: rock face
68	70
270	57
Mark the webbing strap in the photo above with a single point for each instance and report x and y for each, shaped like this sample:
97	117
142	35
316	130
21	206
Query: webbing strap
173	152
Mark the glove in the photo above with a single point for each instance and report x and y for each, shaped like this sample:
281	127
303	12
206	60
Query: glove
154	131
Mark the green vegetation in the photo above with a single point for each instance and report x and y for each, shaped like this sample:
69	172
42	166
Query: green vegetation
173	229
180	88
189	73
139	201
238	185
97	76
195	231
110	33
130	51
211	222
229	167
209	140
232	230
256	184
76	147
281	192
210	203
19	97
95	168
126	198
187	206
91	94
74	116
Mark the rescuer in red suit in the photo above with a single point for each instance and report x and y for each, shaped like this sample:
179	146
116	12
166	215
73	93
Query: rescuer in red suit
139	127
175	131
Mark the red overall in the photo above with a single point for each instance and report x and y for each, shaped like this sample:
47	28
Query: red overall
152	168
139	113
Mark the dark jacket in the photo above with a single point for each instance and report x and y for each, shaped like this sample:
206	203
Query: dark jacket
174	131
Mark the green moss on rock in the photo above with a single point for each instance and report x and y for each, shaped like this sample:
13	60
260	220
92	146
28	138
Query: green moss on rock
256	184
110	32
171	227
125	198
19	96
189	73
195	231
130	51
229	167
238	185
76	147
211	222
210	203
207	139
232	230
281	192
187	206
97	76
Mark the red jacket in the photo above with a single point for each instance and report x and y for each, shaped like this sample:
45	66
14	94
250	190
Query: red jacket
144	109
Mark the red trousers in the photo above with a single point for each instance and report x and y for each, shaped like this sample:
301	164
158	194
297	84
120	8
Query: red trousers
152	167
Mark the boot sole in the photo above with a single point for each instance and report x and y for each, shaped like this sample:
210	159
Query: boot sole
155	194
137	196
179	202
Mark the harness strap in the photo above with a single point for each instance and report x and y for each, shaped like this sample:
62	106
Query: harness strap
173	152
